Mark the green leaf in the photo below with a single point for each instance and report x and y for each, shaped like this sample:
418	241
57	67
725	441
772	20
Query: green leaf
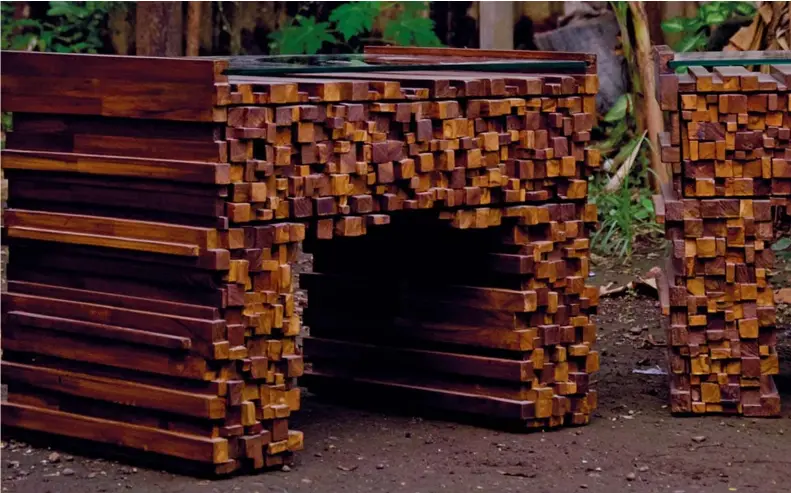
707	8
355	18
24	41
414	9
714	18
305	36
725	8
411	31
744	8
27	23
781	244
618	110
79	47
674	25
691	43
693	25
57	9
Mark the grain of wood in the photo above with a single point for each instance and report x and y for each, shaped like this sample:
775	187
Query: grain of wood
155	222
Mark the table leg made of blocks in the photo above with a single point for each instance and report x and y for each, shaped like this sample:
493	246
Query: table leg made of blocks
156	210
729	146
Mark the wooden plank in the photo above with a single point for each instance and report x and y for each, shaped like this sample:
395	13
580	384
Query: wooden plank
115	390
98	330
141	88
180	171
210	450
193	328
105	298
436	398
108	353
467	52
108	226
103	241
420	360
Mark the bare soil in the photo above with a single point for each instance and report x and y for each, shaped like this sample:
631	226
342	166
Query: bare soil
633	444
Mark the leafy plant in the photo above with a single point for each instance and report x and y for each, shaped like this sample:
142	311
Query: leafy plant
405	25
70	27
354	18
626	211
782	248
625	216
622	189
304	35
697	30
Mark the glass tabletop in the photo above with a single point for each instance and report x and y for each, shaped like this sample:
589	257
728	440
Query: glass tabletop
725	58
316	64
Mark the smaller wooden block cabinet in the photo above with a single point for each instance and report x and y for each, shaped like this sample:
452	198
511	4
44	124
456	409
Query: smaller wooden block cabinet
728	142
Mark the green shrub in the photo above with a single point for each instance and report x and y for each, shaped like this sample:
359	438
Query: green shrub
69	27
697	30
405	25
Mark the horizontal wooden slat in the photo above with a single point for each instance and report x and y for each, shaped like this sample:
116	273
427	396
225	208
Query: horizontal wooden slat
115	390
103	241
345	352
84	328
88	164
210	450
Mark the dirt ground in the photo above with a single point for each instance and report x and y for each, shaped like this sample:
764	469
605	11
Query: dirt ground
633	444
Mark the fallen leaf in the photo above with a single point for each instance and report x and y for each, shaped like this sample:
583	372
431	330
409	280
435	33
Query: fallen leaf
783	295
608	290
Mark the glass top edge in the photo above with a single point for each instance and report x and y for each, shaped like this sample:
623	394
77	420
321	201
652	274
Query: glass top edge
724	58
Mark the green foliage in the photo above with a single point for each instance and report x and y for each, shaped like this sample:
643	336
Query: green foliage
405	25
620	109
782	248
697	30
305	35
354	18
411	31
626	215
70	27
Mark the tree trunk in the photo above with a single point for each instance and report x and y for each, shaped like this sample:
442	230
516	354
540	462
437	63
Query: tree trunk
159	28
650	107
193	28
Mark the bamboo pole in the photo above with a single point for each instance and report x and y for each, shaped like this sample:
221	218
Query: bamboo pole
650	107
